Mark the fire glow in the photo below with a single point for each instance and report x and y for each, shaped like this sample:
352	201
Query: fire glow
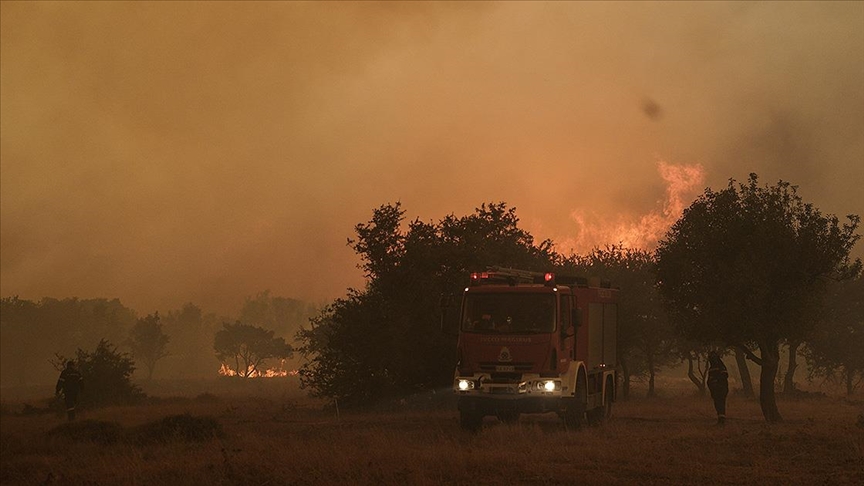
252	372
683	183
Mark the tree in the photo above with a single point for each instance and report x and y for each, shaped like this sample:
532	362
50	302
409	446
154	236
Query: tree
191	334
744	372
745	266
105	376
838	341
148	342
283	315
31	330
386	340
248	346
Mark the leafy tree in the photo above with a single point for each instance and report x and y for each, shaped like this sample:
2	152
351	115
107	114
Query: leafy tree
106	376
32	330
386	339
191	334
838	342
248	346
285	316
645	336
148	342
744	266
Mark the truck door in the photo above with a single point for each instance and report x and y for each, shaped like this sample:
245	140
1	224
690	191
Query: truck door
568	334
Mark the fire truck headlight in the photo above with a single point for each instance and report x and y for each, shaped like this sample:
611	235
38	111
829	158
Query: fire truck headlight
549	385
465	385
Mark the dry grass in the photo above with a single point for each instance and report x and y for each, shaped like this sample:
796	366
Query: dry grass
283	438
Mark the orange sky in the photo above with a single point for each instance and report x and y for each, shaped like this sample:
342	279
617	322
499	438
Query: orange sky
175	151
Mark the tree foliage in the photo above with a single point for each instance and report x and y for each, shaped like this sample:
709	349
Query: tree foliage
191	332
106	376
386	339
285	316
744	267
837	345
248	347
148	342
31	331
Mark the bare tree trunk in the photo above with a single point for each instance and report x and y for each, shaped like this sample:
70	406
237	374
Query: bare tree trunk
700	384
651	374
849	381
625	380
767	399
788	381
744	371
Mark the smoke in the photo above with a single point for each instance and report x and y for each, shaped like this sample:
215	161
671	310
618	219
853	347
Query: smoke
169	152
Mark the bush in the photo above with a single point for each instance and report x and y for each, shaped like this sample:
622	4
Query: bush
106	377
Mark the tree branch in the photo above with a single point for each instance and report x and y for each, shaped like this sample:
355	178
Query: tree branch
752	357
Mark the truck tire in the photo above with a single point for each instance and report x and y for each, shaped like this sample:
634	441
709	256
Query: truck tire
470	421
574	412
600	414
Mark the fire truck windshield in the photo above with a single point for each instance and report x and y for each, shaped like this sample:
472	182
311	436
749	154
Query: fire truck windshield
510	313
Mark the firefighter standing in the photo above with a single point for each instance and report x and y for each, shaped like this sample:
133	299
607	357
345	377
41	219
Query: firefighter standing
718	384
70	384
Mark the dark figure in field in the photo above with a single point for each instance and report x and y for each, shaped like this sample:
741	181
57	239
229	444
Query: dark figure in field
70	384
718	384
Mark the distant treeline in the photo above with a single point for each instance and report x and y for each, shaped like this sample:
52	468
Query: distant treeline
32	333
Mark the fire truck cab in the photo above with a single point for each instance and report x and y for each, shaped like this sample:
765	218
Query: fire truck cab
534	343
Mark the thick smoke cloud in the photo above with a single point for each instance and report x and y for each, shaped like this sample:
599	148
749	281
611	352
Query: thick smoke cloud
168	152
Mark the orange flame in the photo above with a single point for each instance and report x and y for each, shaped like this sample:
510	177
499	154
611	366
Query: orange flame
225	370
644	232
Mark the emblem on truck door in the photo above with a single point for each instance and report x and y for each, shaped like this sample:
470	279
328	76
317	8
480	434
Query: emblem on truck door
504	355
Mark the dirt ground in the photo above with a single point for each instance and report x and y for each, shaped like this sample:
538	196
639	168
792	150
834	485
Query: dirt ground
256	435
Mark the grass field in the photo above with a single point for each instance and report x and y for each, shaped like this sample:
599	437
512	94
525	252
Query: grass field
276	436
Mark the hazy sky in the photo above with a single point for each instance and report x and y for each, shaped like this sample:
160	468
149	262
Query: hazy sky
175	151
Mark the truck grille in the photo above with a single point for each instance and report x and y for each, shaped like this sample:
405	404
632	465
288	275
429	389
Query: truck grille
506	367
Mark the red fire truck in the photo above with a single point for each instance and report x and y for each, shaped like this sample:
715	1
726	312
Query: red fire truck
534	343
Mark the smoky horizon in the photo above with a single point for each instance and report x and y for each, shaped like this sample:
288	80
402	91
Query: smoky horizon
164	153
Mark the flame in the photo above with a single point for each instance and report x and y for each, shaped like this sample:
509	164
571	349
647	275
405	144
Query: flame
683	182
225	370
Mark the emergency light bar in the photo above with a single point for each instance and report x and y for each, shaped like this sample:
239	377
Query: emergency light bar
512	277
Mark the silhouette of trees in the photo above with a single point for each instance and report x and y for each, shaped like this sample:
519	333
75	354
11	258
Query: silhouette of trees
248	347
836	349
148	342
191	332
31	331
386	339
744	267
105	376
285	316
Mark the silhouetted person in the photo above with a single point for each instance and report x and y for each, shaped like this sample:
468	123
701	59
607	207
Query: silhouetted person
70	384
718	384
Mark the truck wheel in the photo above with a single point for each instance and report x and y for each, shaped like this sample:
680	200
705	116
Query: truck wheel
574	413
610	397
600	414
470	421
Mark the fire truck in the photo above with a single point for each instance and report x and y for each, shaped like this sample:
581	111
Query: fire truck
533	342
